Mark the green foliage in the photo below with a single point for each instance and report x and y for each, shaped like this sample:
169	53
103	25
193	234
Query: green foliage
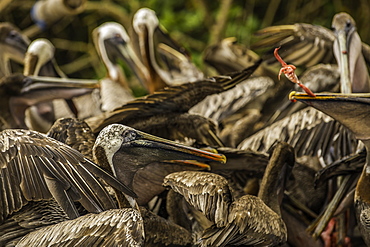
190	22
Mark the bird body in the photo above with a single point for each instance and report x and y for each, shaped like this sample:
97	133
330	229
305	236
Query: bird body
248	220
352	110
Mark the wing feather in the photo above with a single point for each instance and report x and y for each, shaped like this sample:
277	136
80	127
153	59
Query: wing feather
116	227
310	132
36	167
207	192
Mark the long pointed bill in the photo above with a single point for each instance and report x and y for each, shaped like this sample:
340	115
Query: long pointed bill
176	151
124	51
351	110
345	81
33	83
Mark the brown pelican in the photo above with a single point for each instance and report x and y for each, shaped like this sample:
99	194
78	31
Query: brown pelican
13	46
305	44
248	220
113	44
352	110
18	92
164	113
62	173
146	173
39	61
167	62
318	140
141	161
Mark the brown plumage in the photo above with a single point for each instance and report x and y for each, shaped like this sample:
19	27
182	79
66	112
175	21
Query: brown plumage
164	113
36	167
352	110
248	220
75	133
115	227
141	160
307	45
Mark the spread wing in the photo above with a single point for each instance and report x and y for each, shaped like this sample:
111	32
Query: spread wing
177	99
207	192
250	223
116	227
301	44
310	132
35	167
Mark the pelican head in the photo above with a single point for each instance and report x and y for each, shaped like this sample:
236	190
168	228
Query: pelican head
133	155
145	18
168	62
39	52
113	43
348	53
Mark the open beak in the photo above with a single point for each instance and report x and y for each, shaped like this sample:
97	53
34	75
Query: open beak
351	110
170	150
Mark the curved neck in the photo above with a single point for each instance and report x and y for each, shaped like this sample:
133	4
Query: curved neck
276	173
363	184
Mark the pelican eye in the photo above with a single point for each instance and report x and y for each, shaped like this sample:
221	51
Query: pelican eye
129	135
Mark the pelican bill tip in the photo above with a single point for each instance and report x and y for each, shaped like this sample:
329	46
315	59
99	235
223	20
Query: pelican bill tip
293	96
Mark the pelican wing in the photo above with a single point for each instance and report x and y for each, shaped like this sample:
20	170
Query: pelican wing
310	132
161	231
35	167
250	223
30	218
207	192
75	133
221	106
116	227
177	99
301	44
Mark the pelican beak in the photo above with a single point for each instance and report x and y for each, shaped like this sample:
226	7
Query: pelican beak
35	89
345	82
161	36
37	83
15	46
117	48
352	110
163	149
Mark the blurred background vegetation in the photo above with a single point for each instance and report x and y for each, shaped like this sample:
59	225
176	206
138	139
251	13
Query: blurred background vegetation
193	23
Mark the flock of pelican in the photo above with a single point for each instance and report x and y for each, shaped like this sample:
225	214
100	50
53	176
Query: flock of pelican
235	159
